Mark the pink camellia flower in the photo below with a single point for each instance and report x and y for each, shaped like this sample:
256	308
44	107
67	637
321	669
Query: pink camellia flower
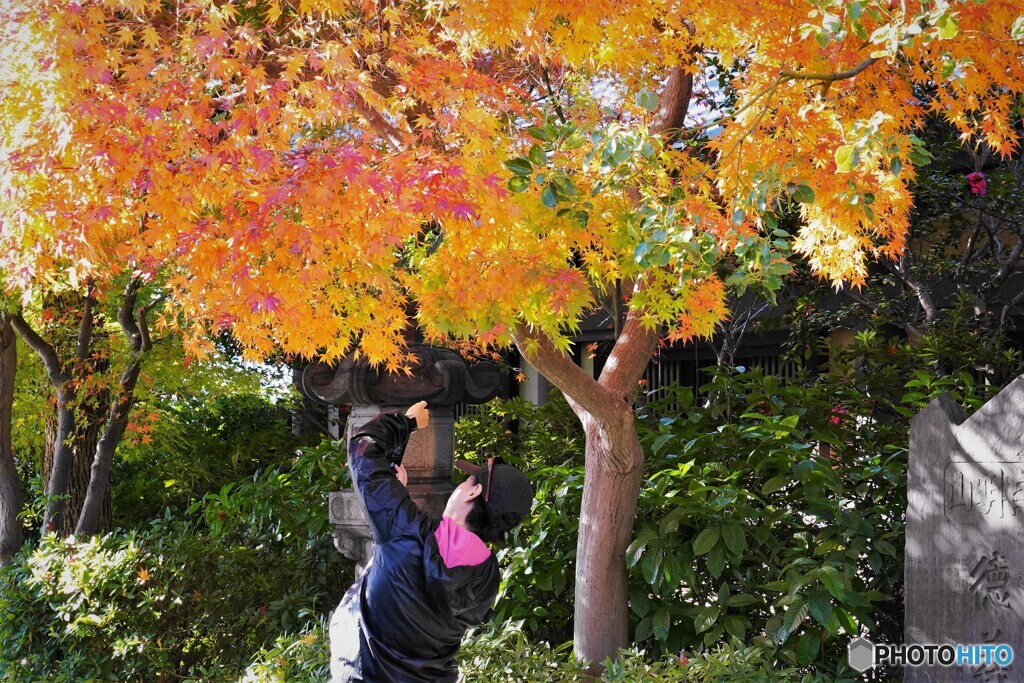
837	415
977	182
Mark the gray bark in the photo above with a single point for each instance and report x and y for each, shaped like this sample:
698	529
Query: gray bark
11	497
60	471
136	332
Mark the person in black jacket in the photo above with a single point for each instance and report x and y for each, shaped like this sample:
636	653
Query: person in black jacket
428	580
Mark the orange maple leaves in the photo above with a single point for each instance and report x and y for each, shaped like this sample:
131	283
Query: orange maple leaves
300	172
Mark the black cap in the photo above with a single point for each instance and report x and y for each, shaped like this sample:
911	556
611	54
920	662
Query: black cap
508	495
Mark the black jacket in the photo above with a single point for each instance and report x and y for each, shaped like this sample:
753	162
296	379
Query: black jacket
404	619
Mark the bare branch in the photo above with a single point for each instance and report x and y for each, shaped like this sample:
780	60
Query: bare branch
631	353
828	77
971	242
46	352
674	101
924	297
732	115
86	326
1008	307
561	371
551	94
384	127
146	342
1007	267
125	314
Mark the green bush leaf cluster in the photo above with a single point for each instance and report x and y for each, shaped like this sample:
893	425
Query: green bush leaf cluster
771	514
191	596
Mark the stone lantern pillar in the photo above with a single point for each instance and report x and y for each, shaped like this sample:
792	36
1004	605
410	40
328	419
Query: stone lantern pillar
439	376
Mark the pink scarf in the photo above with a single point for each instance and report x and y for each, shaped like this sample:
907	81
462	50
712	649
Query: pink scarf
459	546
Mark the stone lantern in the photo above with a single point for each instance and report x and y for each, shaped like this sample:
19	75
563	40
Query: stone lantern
439	376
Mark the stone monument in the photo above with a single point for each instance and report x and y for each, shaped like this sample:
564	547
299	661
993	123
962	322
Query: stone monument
965	533
439	376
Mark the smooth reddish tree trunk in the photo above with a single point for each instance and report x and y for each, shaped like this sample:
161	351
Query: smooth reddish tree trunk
606	530
614	461
613	470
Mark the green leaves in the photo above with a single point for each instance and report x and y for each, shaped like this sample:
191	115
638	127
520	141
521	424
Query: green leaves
919	154
521	166
705	619
1017	31
807	649
734	538
820	605
706	540
519	183
947	26
776	484
548	196
803	194
647	100
660	623
833	581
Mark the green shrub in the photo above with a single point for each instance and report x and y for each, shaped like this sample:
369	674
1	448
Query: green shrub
768	526
181	599
301	658
131	607
196	445
507	653
772	511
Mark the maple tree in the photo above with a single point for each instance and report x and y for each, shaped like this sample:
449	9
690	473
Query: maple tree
305	173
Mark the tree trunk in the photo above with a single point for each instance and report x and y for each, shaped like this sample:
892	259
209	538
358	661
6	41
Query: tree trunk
10	484
614	462
95	509
601	627
84	441
613	470
69	358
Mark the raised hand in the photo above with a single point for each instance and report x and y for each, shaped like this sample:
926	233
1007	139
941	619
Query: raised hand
419	413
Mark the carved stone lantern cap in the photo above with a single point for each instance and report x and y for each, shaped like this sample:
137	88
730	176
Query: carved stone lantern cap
439	376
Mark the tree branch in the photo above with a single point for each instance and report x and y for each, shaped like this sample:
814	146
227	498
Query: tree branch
551	94
1007	266
561	371
828	77
46	352
11	495
630	355
635	343
674	102
924	297
86	326
1007	307
126	317
60	471
136	330
384	127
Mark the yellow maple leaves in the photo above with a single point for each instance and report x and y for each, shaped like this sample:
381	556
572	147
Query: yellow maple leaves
307	173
